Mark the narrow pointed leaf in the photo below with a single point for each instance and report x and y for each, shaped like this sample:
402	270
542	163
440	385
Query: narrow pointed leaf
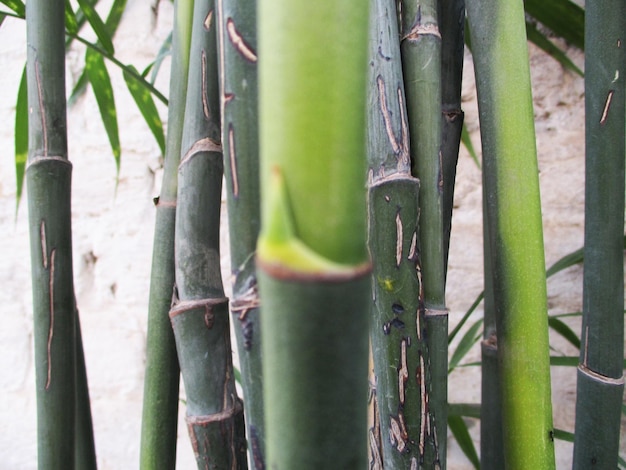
540	40
21	135
2	17
563	17
565	331
462	436
98	26
101	84
469	339
17	6
164	51
148	109
70	18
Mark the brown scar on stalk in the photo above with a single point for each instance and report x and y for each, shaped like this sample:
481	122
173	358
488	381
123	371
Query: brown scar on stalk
398	239
208	20
403	373
607	106
239	43
232	155
205	99
51	328
400	146
42	109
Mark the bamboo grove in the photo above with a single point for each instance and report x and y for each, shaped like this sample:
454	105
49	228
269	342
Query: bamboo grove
335	128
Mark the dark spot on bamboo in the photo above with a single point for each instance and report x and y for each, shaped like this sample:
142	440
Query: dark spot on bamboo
209	316
395	323
386	58
397	308
255	448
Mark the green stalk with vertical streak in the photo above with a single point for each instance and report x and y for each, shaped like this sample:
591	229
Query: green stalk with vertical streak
421	62
199	312
161	383
312	253
397	330
600	372
239	94
62	400
514	230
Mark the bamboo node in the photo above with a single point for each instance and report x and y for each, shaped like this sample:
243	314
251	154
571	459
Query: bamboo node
619	381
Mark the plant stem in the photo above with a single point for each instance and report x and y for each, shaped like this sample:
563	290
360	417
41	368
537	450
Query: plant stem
239	94
514	230
161	383
600	372
421	61
312	252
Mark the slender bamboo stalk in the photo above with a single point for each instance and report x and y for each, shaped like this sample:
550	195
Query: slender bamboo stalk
161	383
421	61
514	230
397	326
451	16
600	372
312	251
49	197
239	94
200	313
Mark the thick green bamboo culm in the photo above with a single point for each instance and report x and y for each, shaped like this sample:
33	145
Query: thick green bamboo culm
239	94
312	252
421	62
199	314
59	399
600	385
161	383
514	230
397	327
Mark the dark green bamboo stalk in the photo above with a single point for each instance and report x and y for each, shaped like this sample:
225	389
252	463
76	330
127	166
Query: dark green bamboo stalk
514	230
491	443
397	329
239	94
421	61
312	251
61	407
600	372
451	16
161	383
199	314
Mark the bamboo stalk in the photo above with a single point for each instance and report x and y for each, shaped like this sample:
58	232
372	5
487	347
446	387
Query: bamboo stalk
312	252
199	314
397	321
60	405
239	94
514	230
162	376
421	60
600	372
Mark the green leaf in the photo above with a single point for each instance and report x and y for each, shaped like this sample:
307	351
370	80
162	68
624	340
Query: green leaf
467	142
2	17
115	16
17	6
101	84
164	51
21	135
563	17
468	410
571	259
148	109
98	26
535	36
459	325
470	338
564	330
71	24
461	434
562	435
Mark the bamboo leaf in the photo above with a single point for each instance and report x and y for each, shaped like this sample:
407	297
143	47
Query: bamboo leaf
2	17
459	325
70	18
17	6
148	109
98	26
468	410
564	330
470	338
467	141
103	91
164	51
540	40
461	434
21	136
563	17
562	435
